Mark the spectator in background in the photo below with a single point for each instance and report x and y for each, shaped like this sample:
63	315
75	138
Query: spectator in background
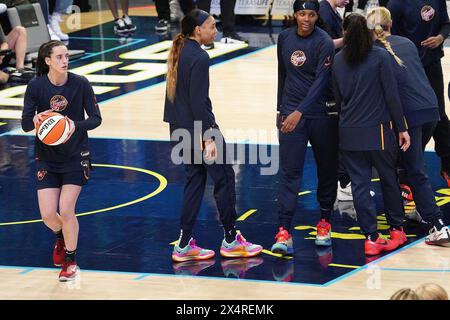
405	294
163	11
431	291
124	24
58	9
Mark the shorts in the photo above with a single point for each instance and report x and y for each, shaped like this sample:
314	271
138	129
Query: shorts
46	179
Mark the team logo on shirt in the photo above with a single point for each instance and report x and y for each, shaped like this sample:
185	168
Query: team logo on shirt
41	174
58	103
298	58
427	13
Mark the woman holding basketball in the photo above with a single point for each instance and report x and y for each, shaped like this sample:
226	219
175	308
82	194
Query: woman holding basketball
188	107
61	170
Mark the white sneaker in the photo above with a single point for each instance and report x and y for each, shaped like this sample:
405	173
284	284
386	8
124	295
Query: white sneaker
176	14
54	20
52	33
344	194
439	238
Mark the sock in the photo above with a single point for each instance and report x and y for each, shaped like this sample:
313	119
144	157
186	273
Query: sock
438	223
372	236
229	233
70	256
185	236
59	235
325	214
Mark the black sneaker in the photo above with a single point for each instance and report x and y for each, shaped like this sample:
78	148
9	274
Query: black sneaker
21	76
232	38
129	26
119	26
162	25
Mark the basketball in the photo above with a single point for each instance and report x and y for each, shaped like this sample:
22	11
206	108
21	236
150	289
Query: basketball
53	130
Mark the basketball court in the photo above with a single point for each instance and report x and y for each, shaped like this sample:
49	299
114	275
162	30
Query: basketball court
128	213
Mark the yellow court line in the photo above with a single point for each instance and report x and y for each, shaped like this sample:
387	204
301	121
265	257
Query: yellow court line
375	179
162	186
303	193
246	215
270	253
343	266
2	123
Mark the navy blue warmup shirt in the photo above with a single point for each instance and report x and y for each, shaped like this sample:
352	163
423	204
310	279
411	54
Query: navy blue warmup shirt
304	70
332	19
418	20
192	102
72	100
369	99
416	94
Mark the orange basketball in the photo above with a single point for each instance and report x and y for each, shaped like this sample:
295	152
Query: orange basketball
53	130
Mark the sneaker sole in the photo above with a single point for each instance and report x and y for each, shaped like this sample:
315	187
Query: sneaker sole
192	258
226	254
443	243
287	252
323	243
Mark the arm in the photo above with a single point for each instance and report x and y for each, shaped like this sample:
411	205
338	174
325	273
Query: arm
90	105
199	91
323	74
29	109
336	92
445	29
281	73
390	90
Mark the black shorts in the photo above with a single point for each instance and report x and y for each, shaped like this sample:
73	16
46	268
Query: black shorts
46	179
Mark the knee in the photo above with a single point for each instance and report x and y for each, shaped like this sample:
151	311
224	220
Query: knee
21	31
48	216
67	215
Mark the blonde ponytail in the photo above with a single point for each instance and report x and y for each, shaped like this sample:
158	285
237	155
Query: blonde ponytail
172	65
378	18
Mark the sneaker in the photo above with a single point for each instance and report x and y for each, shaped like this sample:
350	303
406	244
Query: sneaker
438	238
59	253
21	76
162	25
237	268
54	21
373	248
284	244
69	271
239	248
208	46
191	252
406	192
176	14
398	235
129	26
233	38
446	177
344	194
283	270
192	268
346	208
323	237
53	35
119	26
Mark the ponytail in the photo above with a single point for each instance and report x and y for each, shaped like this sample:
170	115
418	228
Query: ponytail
172	65
378	20
357	39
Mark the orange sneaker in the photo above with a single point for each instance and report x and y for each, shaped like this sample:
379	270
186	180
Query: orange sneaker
283	245
239	248
323	237
59	253
372	248
69	271
398	235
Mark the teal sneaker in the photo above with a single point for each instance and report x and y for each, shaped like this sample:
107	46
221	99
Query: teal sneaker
239	248
284	243
191	252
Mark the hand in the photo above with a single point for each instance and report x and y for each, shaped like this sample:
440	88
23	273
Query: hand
291	121
210	150
433	42
38	117
71	128
404	140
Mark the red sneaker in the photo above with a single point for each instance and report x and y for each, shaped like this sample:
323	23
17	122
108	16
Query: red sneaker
446	177
406	192
59	253
398	235
372	248
69	271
